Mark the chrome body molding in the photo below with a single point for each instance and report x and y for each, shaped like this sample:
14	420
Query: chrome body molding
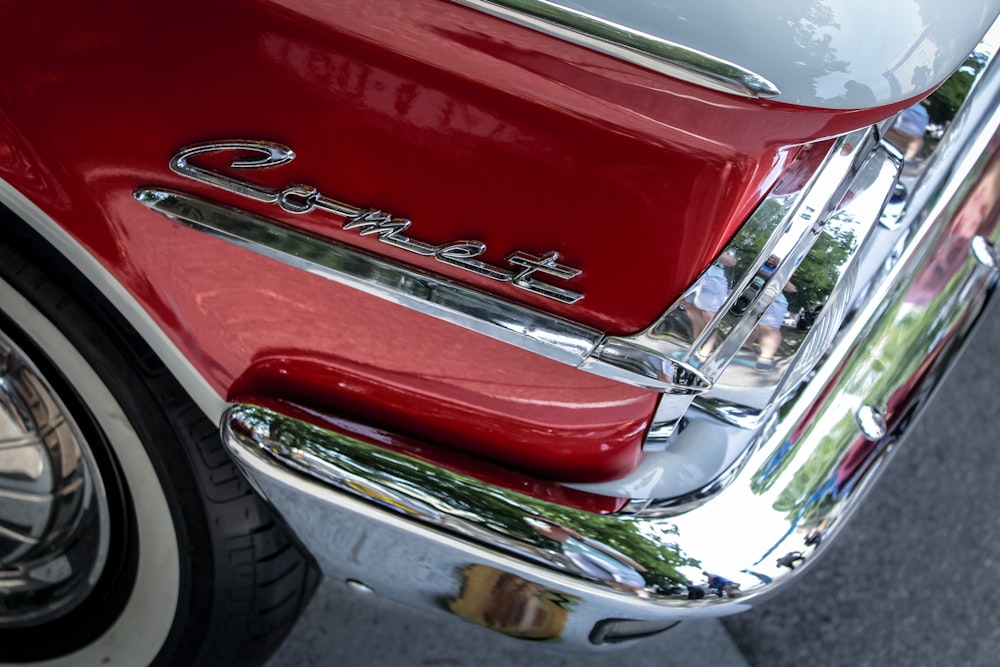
366	512
629	43
544	334
389	229
524	327
985	252
724	424
846	267
819	53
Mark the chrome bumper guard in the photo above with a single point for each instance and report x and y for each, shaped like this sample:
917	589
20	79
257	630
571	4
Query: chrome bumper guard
436	539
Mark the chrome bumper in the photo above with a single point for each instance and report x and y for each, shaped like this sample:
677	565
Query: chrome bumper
441	540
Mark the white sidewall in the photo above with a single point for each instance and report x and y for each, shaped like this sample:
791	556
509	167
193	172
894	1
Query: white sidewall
137	635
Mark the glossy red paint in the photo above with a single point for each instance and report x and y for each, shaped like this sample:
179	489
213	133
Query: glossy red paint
468	125
531	416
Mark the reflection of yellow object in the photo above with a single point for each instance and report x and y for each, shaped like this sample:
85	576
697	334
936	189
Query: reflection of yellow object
379	496
506	603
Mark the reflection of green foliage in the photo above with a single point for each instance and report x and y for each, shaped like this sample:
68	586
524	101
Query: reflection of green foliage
797	496
944	103
904	336
765	476
494	516
811	24
818	273
755	234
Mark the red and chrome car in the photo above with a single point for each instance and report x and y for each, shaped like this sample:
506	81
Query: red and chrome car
590	317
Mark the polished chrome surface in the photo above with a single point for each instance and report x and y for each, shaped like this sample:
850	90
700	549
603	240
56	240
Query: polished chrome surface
985	252
268	154
796	329
759	318
693	464
359	587
388	228
871	422
784	503
631	44
768	249
660	358
54	525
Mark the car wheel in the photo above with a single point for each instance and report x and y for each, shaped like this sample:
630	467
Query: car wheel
127	536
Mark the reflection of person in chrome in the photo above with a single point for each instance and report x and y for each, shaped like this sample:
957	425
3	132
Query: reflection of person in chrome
721	585
908	131
706	298
767	335
790	559
694	592
593	558
505	602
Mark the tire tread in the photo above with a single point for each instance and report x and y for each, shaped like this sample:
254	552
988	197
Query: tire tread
255	576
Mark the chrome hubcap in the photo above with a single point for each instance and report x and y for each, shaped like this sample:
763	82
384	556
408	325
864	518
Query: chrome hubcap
54	520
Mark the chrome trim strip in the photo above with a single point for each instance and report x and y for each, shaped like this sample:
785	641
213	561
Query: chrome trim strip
193	382
653	53
743	393
525	328
352	502
724	423
522	327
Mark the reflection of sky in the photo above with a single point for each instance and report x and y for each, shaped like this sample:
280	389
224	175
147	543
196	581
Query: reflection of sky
724	531
990	41
742	526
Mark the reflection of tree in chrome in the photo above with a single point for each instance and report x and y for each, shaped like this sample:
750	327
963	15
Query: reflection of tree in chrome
812	24
812	489
943	104
946	29
818	273
822	268
498	518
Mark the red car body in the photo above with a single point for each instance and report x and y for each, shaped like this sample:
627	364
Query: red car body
470	127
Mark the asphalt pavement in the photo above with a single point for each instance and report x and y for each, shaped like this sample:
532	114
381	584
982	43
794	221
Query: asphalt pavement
913	579
344	628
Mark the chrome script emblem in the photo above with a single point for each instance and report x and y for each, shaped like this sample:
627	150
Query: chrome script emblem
389	229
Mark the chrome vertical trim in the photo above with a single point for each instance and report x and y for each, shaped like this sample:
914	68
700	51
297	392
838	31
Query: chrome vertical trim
932	178
737	296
